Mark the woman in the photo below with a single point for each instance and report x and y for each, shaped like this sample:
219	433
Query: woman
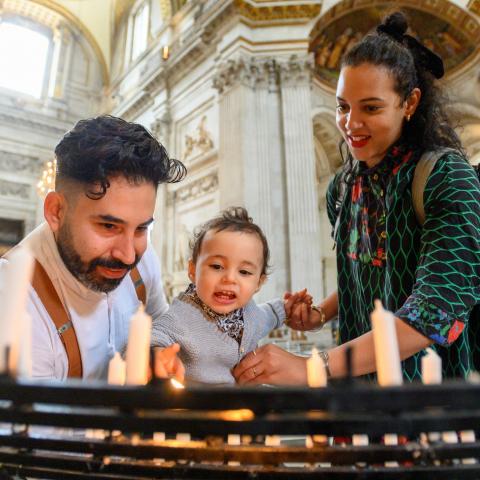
389	114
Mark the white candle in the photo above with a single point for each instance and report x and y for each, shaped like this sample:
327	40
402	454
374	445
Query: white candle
183	437
387	356
138	348
234	439
468	436
116	370
391	439
272	441
17	276
316	374
431	368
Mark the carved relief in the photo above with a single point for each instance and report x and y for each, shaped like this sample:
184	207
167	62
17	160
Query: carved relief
201	142
13	189
195	189
13	162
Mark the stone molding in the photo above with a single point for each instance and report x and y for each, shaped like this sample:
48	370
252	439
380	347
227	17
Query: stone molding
14	162
31	124
14	189
195	189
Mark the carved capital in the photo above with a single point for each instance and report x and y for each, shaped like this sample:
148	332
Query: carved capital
296	71
251	72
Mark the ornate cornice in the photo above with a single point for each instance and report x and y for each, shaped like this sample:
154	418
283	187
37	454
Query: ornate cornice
14	189
30	123
274	11
195	189
13	162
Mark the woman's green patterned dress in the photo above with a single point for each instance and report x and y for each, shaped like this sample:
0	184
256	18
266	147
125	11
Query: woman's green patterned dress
429	277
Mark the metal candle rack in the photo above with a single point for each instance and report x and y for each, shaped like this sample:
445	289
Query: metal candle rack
125	420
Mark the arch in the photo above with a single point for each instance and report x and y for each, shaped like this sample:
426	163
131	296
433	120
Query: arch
80	26
326	139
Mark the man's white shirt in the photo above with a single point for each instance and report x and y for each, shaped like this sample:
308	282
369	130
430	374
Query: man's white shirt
101	320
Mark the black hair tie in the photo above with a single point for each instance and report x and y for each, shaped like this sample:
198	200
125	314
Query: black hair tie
424	56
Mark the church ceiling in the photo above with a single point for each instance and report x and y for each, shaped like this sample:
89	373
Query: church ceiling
442	26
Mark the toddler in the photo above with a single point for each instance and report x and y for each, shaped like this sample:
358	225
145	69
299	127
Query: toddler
216	321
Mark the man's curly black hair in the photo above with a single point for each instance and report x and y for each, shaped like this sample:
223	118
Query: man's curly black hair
98	149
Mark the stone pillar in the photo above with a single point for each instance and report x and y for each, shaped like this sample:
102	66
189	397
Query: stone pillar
251	170
303	215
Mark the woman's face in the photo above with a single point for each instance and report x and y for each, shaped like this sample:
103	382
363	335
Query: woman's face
370	114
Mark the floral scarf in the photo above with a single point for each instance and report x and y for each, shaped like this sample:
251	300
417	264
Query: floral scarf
367	215
231	323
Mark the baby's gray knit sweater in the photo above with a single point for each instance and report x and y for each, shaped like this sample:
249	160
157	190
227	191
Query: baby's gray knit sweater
208	353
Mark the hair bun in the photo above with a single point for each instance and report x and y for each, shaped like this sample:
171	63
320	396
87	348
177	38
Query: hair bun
395	25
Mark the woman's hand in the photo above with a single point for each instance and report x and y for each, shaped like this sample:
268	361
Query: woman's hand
272	365
167	363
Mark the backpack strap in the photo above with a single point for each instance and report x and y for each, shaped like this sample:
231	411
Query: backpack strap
43	285
420	177
139	285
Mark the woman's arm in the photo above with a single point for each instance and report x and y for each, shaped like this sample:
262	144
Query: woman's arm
272	365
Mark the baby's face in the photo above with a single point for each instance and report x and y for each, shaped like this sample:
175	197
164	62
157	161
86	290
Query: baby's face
228	270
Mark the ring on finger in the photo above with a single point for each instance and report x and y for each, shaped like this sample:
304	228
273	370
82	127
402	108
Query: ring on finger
254	353
254	372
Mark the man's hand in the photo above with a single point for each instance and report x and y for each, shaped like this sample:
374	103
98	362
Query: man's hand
167	364
271	365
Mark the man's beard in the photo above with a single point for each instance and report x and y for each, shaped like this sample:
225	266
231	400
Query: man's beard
85	272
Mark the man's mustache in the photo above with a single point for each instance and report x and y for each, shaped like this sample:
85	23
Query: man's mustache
111	263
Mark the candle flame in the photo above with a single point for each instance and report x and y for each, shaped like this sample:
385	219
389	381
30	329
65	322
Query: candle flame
241	415
176	384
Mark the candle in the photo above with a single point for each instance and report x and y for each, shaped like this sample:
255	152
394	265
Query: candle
391	439
387	356
116	370
183	437
272	441
165	52
431	368
234	439
17	276
138	348
468	436
316	374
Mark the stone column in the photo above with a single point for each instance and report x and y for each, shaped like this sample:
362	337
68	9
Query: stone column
303	215
251	170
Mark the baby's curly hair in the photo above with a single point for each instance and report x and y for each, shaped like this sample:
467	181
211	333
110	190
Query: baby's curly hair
233	219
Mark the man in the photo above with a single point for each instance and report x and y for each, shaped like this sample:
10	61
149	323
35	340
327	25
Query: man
95	236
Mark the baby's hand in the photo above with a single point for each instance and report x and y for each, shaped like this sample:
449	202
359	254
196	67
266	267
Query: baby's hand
292	300
298	307
167	364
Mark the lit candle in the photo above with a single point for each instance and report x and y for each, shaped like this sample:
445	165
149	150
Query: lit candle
17	276
272	441
116	370
316	374
468	436
387	356
138	348
431	368
183	437
165	52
